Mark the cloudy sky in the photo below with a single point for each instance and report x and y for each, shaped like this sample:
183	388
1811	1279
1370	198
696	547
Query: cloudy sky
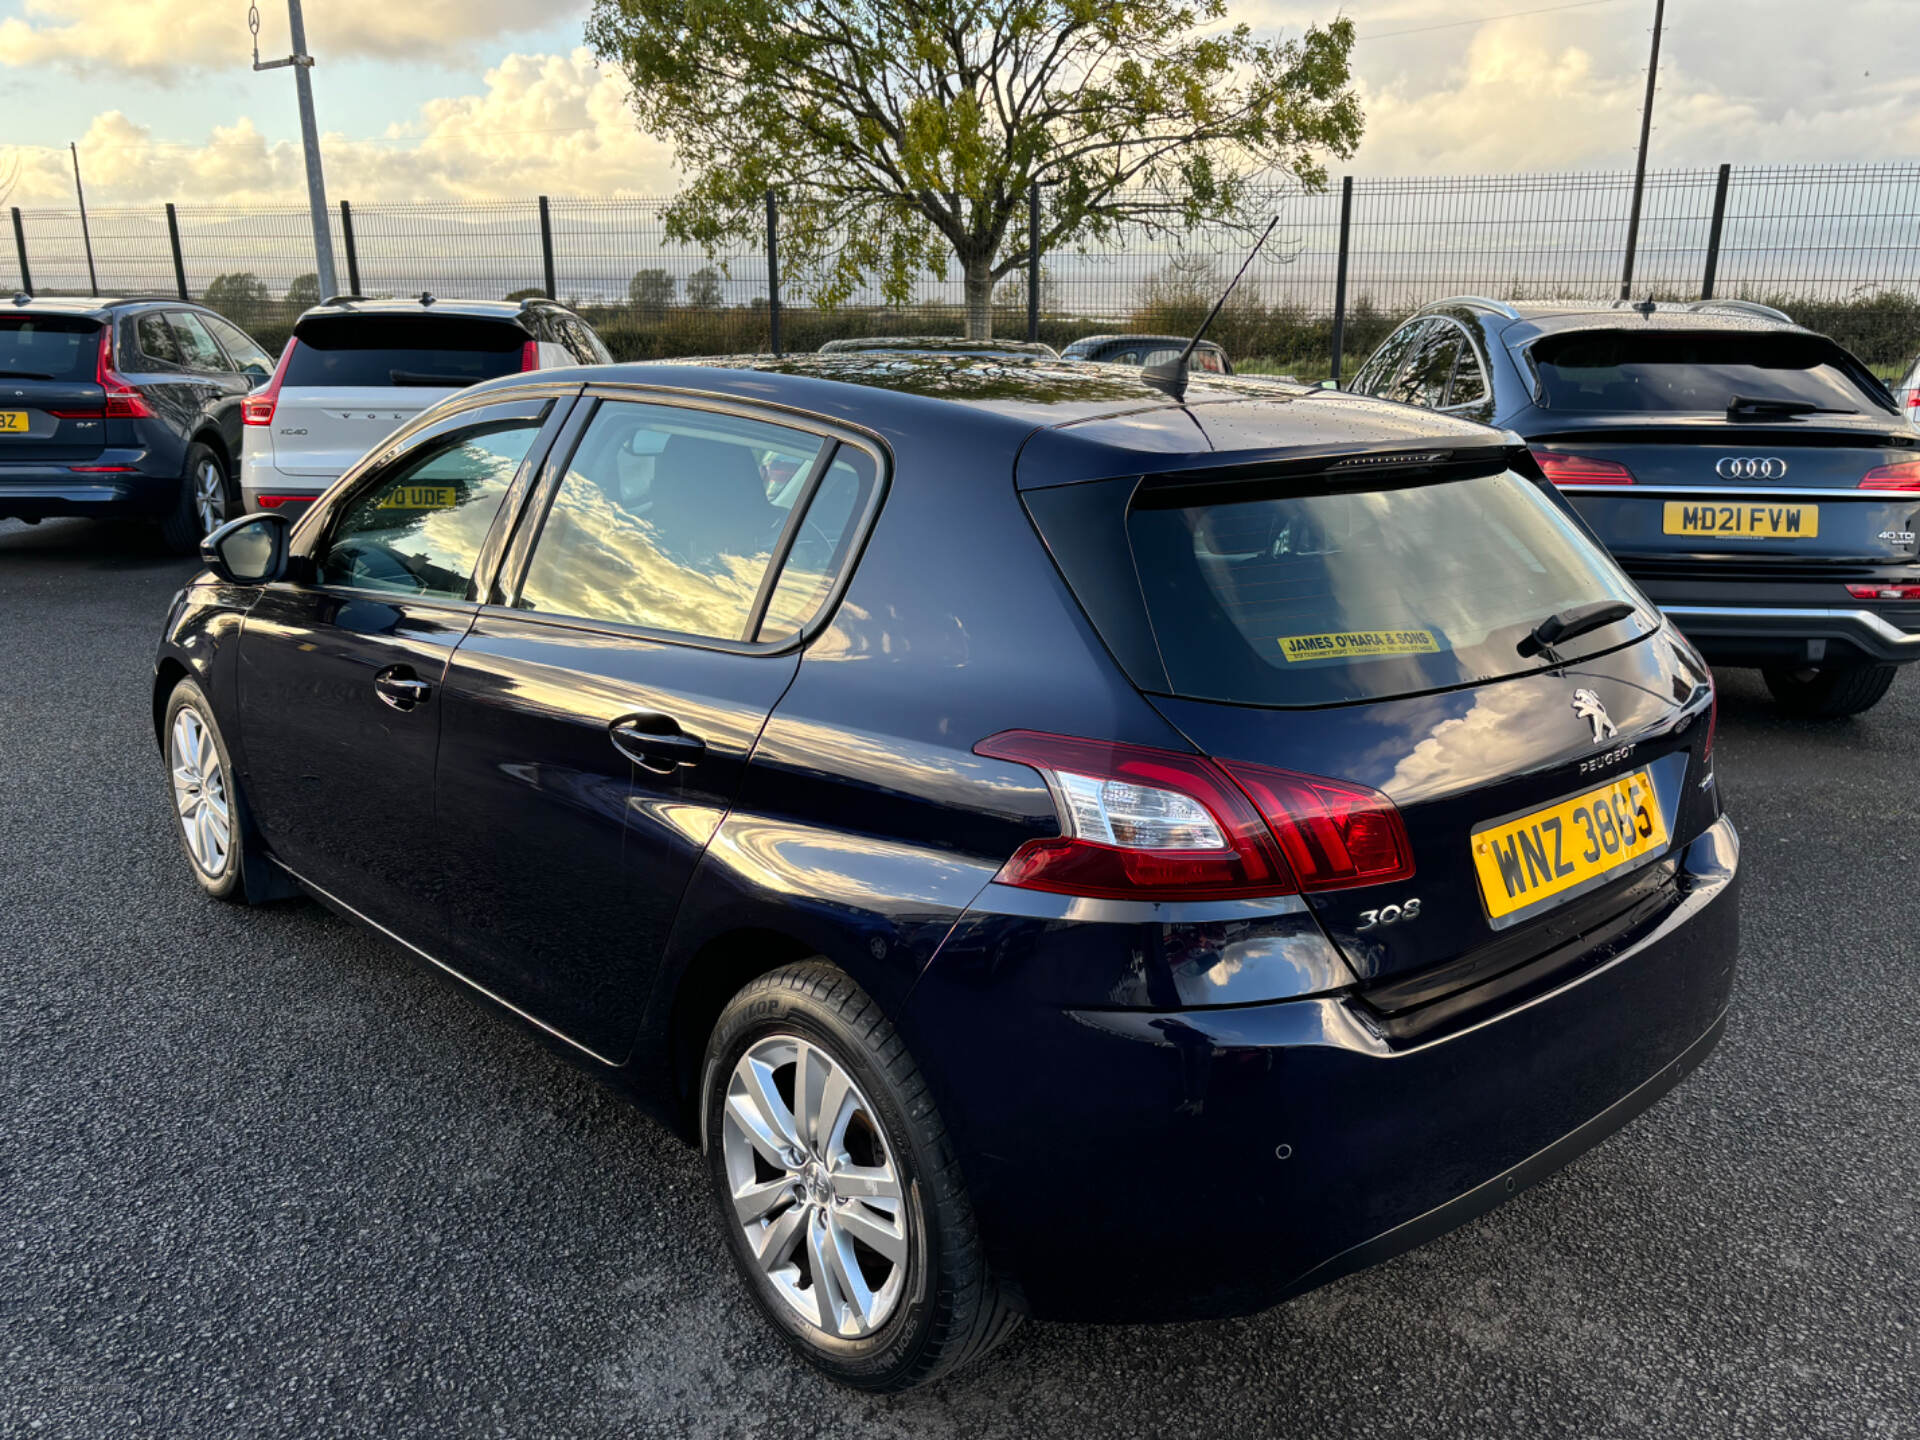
496	98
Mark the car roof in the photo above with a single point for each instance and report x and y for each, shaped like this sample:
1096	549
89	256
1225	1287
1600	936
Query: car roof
1093	341
936	344
1098	420
1529	319
509	310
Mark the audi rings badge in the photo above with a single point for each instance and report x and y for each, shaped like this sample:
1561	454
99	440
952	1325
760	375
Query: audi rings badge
1751	467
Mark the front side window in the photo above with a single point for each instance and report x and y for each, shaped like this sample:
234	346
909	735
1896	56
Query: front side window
419	530
667	518
198	349
1316	599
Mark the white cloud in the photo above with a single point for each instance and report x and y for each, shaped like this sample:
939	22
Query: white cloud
164	39
542	124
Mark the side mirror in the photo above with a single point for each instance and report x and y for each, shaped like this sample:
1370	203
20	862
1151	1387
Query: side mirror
249	551
256	372
1329	384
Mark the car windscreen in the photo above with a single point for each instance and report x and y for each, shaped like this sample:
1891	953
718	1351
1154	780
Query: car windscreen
385	350
1654	371
48	347
1295	599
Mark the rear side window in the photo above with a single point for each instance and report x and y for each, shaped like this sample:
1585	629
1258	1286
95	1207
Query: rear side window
388	350
157	342
1322	598
1380	367
667	519
1666	371
50	347
1429	366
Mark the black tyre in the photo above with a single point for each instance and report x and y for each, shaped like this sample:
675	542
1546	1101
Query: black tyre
209	813
838	1189
206	501
1829	692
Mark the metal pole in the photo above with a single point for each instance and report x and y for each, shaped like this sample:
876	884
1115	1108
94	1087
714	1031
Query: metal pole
546	247
86	236
1033	261
310	142
20	248
1640	163
1713	231
1340	274
773	271
179	264
353	251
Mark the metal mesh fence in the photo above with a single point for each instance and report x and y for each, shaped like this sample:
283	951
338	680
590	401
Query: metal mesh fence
1836	246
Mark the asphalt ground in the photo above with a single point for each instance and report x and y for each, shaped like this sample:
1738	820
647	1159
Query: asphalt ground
261	1175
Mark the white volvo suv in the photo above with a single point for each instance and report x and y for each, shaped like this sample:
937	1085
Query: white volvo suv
356	370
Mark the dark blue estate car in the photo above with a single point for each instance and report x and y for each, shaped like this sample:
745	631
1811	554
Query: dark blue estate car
123	407
1754	478
1060	848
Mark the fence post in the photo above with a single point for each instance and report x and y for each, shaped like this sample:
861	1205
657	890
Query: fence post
546	247
179	264
773	271
1713	231
1033	261
1340	274
86	235
353	251
20	247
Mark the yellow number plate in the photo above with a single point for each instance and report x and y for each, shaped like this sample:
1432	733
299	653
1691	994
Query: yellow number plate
13	422
1751	520
420	497
1535	857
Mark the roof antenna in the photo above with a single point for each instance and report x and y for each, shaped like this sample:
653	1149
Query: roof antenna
1171	375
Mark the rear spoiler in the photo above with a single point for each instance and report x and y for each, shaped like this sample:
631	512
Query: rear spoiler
1327	470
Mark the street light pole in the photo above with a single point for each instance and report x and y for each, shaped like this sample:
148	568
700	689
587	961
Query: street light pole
1640	165
302	64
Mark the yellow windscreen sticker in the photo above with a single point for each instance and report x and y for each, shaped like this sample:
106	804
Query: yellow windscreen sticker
1358	642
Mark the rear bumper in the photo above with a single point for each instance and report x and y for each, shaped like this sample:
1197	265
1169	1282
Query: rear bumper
43	491
1142	1166
1753	634
259	477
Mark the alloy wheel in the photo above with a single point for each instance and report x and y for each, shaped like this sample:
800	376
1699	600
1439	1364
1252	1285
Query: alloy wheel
209	495
814	1187
200	792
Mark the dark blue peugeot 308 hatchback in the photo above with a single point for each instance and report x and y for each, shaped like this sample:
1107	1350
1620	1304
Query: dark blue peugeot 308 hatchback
978	800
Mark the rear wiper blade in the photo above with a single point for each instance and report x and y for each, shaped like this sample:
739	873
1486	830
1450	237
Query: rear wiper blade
1575	620
425	377
1763	405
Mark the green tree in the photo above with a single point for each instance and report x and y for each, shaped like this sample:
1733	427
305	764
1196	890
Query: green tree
236	294
703	288
904	134
651	290
305	290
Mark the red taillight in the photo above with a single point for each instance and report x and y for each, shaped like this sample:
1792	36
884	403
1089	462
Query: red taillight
530	355
76	414
1138	822
274	502
1884	592
1334	834
101	469
1580	469
1913	398
1901	475
123	401
257	407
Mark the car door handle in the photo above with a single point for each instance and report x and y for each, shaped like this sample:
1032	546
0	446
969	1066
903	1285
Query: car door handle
655	742
399	687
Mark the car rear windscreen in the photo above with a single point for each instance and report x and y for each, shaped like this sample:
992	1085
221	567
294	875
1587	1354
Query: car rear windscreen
1315	599
1657	371
384	350
48	347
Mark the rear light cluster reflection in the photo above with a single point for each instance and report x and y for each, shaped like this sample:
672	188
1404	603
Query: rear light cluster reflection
123	402
1564	469
257	408
274	502
1139	823
1901	475
1884	592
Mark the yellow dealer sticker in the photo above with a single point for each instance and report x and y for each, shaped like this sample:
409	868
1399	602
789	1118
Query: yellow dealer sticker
1358	643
